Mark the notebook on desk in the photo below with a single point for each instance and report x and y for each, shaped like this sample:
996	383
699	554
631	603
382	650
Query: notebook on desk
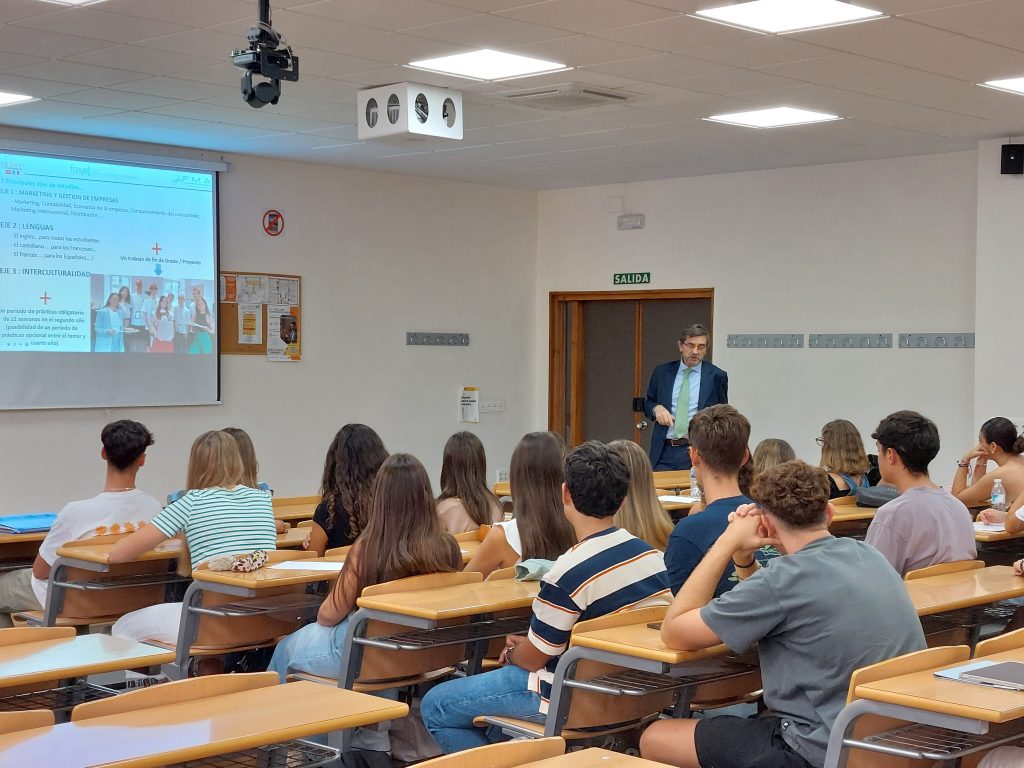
1008	674
33	523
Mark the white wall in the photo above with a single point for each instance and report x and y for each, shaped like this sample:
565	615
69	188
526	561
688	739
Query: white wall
876	246
999	364
379	255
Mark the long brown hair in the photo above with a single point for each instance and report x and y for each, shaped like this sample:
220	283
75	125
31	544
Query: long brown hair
641	513
842	448
403	535
464	477
770	452
250	467
353	459
536	474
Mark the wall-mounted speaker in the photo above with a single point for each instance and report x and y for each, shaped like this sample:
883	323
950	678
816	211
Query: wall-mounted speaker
1013	159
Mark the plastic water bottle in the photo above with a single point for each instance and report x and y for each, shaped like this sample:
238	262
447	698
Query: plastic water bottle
998	496
694	485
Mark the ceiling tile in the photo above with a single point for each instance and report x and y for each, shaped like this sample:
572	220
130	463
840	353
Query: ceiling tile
302	30
198	13
679	34
393	48
216	46
582	50
88	22
830	70
34	41
106	97
870	35
586	15
79	74
9	61
138	59
391	15
177	89
325	64
32	86
759	52
487	32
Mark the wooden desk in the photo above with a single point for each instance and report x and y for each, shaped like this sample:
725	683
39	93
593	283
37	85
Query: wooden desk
673	480
52	660
641	642
966	589
593	758
293	538
79	553
502	489
985	537
853	514
435	605
196	729
295	512
250	584
18	550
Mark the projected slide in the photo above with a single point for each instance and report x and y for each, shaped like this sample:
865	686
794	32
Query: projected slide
101	258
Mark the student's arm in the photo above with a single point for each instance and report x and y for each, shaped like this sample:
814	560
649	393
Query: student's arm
342	599
555	613
978	456
317	540
494	553
1010	519
684	627
524	654
977	492
40	568
133	545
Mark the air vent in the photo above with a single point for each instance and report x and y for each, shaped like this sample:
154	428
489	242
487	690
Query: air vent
565	97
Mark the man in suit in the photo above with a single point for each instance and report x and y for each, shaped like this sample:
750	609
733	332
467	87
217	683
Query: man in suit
689	382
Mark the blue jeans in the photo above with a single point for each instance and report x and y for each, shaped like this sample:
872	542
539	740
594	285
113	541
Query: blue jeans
449	708
313	648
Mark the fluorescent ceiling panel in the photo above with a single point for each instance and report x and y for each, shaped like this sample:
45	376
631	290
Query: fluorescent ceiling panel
1012	85
486	64
779	16
775	117
9	99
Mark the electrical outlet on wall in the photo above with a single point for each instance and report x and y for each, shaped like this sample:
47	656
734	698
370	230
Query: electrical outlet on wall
502	476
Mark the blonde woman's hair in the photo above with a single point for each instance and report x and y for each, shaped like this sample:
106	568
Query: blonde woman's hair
771	452
641	513
250	467
214	462
842	448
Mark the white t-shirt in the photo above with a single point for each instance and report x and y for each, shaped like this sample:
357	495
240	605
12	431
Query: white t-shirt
511	531
110	512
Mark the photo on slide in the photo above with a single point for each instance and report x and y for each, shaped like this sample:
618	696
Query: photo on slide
152	314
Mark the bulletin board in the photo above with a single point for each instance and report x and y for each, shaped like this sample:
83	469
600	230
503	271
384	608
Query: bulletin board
260	313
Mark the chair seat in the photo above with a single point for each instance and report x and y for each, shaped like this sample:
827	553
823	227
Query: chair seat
383	685
536	730
35	618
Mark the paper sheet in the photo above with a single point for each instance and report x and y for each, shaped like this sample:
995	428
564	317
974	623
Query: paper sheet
306	565
680	499
282	290
469	405
283	333
250	324
989	527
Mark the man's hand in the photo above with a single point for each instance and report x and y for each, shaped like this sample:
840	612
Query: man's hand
511	642
747	533
992	516
663	416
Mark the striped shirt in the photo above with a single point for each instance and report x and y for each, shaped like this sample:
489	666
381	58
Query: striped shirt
608	572
218	521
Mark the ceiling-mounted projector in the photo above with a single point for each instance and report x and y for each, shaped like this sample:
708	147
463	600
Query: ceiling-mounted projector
409	111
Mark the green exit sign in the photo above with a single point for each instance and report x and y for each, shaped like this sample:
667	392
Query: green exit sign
631	278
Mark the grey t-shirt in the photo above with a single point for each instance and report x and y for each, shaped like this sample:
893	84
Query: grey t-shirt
816	616
922	527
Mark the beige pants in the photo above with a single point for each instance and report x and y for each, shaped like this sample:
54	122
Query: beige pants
16	594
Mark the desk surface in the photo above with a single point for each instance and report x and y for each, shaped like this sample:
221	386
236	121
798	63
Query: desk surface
50	660
984	537
456	601
194	729
293	538
951	591
100	553
20	538
853	514
922	690
672	479
295	511
593	758
267	577
640	641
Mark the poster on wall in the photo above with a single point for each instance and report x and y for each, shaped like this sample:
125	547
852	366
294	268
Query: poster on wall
283	333
250	324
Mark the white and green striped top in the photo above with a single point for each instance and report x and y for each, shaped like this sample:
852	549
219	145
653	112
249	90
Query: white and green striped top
218	521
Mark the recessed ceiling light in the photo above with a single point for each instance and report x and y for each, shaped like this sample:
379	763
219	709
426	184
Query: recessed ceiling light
486	64
775	117
8	99
1013	85
778	16
73	2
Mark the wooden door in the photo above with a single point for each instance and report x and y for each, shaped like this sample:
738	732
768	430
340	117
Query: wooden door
603	347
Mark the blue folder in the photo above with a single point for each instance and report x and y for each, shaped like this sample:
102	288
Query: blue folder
34	523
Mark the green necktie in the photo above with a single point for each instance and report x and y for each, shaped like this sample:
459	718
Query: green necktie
683	406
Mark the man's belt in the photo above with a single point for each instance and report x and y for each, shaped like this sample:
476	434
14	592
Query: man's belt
678	442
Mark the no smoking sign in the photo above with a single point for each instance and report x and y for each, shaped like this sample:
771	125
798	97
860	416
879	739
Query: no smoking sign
273	223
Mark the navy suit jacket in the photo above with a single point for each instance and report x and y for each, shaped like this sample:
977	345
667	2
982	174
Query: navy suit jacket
714	390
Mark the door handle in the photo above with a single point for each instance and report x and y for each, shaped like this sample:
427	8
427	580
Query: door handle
642	425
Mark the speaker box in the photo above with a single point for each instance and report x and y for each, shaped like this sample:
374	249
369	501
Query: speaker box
1013	159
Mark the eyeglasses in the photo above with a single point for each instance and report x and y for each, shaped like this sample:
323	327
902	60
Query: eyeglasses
695	347
819	440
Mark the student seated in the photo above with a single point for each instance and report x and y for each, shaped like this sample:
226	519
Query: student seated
218	516
924	525
465	502
403	537
353	459
641	513
718	448
844	458
1012	519
999	443
610	570
771	452
539	529
250	467
826	607
120	507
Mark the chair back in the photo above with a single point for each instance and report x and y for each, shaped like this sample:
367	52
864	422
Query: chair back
244	631
338	552
476	535
507	754
501	574
381	665
26	720
1010	641
919	661
942	568
304	524
844	501
189	689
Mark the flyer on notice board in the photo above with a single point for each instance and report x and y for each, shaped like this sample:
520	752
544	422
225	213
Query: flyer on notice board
283	333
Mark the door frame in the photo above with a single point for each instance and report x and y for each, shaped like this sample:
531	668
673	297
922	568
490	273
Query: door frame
557	352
